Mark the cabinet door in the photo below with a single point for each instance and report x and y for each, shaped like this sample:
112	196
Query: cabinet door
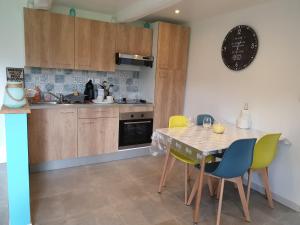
52	134
97	136
134	40
169	96
173	43
49	39
94	45
37	38
62	41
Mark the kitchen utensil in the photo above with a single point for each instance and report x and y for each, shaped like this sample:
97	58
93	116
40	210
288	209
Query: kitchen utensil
89	91
110	99
72	98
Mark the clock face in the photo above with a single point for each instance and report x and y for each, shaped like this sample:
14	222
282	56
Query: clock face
239	47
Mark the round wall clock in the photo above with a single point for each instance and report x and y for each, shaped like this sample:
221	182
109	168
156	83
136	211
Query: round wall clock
239	47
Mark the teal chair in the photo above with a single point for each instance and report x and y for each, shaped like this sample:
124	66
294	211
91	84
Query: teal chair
236	160
201	117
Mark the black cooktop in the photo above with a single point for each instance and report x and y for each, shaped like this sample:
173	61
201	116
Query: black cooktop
131	101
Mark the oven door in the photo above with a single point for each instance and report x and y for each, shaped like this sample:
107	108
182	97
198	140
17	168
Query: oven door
135	132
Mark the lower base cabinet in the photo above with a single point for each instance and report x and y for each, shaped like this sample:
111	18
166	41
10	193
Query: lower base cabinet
52	134
97	136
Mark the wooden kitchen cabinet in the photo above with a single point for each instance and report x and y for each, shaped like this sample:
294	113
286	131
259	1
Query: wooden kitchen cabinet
173	45
49	39
97	136
170	81
98	130
94	45
134	40
52	134
169	96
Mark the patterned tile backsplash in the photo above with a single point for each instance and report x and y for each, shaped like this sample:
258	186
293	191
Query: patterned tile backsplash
126	83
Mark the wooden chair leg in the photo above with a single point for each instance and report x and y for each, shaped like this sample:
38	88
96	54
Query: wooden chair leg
186	177
250	173
191	169
194	191
239	183
169	169
210	186
164	170
220	201
199	191
265	179
218	189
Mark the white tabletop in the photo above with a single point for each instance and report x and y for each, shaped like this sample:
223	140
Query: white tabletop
205	140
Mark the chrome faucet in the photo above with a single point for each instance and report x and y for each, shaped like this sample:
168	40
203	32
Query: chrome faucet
60	98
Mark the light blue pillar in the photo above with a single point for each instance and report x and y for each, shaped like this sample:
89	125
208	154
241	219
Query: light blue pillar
17	169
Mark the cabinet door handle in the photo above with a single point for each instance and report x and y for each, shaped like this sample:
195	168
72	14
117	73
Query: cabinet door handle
137	122
88	123
67	112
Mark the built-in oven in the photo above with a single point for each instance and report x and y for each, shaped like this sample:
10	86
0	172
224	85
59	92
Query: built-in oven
135	129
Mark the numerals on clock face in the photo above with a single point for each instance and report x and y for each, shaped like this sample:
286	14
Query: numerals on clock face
239	47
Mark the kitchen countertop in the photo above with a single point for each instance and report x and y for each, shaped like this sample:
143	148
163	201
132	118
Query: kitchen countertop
24	110
91	105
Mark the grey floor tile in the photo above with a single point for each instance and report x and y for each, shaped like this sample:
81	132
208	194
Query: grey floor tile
125	193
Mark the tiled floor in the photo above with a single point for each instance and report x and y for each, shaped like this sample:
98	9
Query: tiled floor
125	193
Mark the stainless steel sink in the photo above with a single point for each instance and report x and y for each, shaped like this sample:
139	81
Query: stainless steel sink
45	103
51	103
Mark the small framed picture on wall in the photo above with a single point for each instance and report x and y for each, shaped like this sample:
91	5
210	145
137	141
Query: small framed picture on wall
14	74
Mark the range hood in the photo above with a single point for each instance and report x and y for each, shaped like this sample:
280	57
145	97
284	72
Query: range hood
137	60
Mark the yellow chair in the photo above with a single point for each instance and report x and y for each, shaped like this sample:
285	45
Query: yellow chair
177	122
264	153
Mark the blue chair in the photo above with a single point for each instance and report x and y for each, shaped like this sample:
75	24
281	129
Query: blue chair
201	117
236	161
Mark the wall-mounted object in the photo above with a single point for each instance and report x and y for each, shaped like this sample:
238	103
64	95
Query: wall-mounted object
239	47
72	12
137	60
14	74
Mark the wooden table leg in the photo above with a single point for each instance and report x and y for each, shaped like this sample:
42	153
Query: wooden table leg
164	170
199	191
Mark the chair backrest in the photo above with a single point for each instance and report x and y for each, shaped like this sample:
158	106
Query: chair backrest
237	159
265	151
201	117
178	121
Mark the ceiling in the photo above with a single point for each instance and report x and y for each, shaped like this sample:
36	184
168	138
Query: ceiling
200	9
153	10
102	6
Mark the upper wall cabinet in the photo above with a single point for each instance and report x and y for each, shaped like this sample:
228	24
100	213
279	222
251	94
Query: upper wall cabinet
134	40
173	46
94	45
49	39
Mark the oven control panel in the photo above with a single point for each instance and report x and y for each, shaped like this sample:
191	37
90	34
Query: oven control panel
136	115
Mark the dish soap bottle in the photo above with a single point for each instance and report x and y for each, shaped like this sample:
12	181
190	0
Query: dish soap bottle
244	119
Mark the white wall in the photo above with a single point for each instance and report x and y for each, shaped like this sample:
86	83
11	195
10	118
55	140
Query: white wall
11	49
271	84
84	13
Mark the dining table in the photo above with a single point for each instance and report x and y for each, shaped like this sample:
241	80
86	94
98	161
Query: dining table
199	142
